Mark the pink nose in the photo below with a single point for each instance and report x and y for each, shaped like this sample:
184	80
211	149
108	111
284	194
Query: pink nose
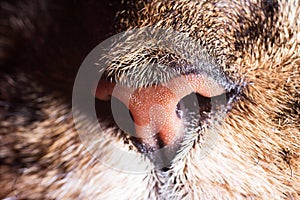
154	108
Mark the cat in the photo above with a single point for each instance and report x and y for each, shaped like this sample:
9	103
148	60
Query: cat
240	141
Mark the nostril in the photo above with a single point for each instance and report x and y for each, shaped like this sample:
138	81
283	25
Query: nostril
122	116
131	116
194	104
204	103
179	111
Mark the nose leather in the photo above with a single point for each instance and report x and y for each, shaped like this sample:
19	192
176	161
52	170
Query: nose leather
153	108
153	111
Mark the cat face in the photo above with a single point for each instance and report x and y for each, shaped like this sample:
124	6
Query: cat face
190	100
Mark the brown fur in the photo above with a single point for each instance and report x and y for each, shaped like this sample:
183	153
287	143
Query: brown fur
257	45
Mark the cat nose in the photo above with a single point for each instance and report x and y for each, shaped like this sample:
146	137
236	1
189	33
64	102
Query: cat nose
154	113
154	109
